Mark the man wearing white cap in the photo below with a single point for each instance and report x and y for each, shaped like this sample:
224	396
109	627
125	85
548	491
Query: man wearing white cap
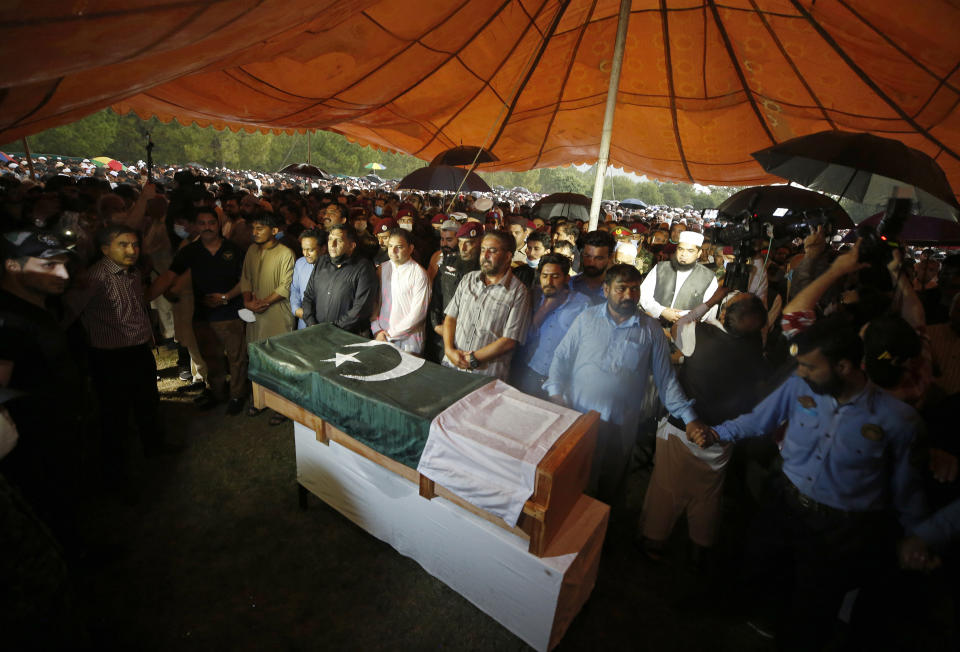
675	286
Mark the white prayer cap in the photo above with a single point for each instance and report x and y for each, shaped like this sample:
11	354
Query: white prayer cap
691	237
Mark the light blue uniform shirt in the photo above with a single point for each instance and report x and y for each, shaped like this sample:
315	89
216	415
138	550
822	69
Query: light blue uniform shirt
302	270
604	366
546	338
854	457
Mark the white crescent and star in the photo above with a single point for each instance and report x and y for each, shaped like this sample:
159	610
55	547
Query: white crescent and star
408	363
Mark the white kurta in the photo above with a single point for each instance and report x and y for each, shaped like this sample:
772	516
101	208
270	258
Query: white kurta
404	299
652	307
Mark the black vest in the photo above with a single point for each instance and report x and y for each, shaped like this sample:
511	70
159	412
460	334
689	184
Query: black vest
725	374
691	292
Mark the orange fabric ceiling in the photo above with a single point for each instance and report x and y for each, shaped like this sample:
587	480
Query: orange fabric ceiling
703	83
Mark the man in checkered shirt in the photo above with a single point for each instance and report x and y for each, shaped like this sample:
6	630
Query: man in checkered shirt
109	298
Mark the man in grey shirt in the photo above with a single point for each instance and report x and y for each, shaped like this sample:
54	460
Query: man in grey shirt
489	313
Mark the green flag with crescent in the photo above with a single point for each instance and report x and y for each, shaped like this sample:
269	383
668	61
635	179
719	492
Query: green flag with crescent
368	389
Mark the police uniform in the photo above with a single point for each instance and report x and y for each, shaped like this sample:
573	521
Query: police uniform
823	527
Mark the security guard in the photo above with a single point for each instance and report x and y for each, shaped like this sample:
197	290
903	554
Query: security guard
846	454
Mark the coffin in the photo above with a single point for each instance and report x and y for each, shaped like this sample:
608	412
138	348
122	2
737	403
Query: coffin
369	399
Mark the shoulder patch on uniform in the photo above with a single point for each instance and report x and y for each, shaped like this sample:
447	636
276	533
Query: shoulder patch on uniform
807	401
872	431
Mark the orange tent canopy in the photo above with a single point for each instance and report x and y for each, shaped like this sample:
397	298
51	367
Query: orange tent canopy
704	83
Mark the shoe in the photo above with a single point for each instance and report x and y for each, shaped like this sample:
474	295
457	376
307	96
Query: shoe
185	375
206	401
276	419
234	406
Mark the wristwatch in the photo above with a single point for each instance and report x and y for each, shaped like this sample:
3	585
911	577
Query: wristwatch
223	298
474	363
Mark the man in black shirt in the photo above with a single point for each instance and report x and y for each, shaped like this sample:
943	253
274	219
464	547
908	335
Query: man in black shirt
453	267
36	359
343	287
686	478
215	265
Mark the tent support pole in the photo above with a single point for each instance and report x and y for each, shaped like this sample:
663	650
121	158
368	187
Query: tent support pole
604	156
26	149
308	147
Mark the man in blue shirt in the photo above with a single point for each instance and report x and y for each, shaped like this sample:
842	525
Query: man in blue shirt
313	242
555	307
604	363
846	461
597	256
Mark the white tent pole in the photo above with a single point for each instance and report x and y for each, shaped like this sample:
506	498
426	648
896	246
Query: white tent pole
604	156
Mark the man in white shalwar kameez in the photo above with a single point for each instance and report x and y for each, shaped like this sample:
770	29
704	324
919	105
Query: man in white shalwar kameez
404	296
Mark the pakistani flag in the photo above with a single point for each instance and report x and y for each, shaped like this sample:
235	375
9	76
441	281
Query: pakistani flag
368	389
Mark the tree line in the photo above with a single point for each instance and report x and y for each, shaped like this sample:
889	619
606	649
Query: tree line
124	138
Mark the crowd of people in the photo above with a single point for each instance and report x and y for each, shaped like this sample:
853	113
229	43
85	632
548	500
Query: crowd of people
843	359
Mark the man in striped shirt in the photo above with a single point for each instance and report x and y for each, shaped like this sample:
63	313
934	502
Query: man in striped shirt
489	313
109	298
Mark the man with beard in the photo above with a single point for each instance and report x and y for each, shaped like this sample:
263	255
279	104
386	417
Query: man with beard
685	477
603	363
448	245
404	296
381	229
597	256
343	287
679	284
459	258
823	528
555	307
489	313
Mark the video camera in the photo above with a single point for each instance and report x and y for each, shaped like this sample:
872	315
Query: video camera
743	230
878	244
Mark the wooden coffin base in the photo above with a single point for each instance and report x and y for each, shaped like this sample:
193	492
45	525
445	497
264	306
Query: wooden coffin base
535	597
561	478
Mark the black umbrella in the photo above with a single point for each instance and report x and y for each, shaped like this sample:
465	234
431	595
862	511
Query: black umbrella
784	203
863	167
520	189
563	204
633	203
463	155
373	178
918	230
443	177
306	170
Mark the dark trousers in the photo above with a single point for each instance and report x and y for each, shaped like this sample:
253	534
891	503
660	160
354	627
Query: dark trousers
125	381
800	560
217	339
528	381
